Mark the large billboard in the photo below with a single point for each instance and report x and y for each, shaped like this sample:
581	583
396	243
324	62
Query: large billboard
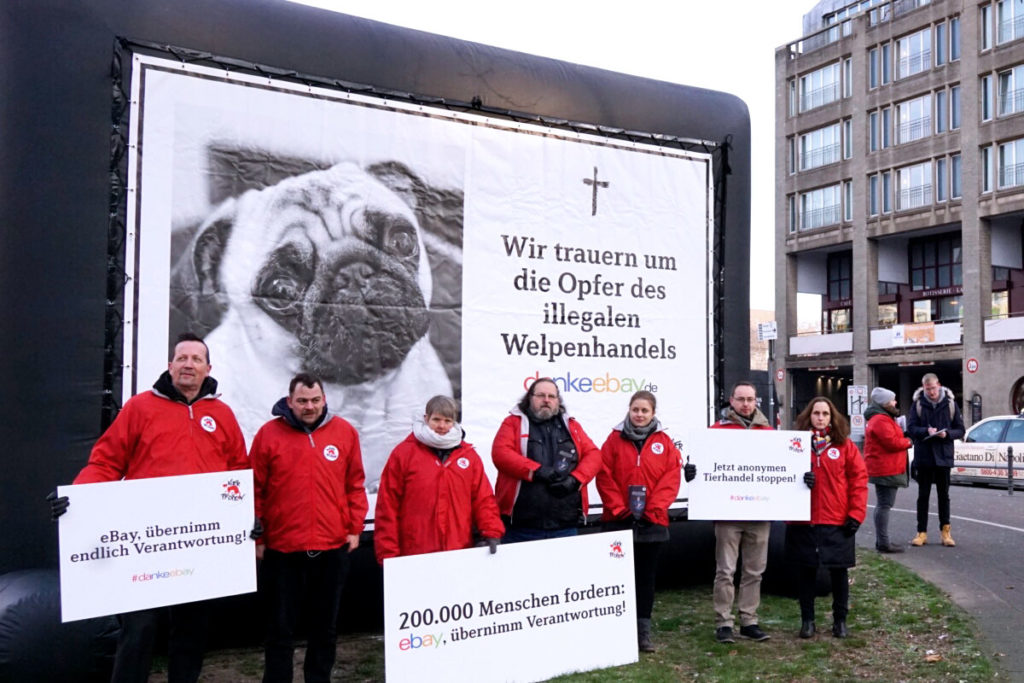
400	251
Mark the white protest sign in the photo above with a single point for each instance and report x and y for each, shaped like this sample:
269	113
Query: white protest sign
527	613
131	545
749	474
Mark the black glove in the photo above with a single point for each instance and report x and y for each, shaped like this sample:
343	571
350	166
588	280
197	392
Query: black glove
546	474
913	470
809	479
487	542
257	529
58	505
564	487
689	471
850	526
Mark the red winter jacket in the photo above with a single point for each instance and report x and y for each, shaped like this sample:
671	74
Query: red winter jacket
657	466
309	485
885	447
509	455
425	506
155	436
840	485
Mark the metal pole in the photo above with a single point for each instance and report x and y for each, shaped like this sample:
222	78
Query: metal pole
1009	470
771	382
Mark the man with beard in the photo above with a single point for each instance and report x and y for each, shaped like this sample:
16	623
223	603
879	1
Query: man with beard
308	477
934	423
885	454
545	461
178	427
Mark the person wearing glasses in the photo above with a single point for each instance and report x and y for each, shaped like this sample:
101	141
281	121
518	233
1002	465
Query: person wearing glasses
545	461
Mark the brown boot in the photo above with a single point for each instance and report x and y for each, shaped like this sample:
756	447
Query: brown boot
947	538
920	539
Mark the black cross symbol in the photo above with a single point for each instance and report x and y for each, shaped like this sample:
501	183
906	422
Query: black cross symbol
596	183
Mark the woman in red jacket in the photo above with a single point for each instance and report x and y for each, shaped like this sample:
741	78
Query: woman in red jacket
639	479
433	492
839	496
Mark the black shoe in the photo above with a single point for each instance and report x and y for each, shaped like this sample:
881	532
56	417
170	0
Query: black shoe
839	629
807	628
753	632
890	548
723	634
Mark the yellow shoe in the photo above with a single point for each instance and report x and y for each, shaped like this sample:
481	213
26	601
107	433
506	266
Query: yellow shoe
947	538
920	539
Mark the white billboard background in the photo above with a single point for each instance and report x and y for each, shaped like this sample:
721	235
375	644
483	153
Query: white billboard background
650	236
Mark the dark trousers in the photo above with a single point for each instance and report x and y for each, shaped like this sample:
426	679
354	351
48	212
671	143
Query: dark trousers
840	592
645	568
886	498
187	625
926	476
289	581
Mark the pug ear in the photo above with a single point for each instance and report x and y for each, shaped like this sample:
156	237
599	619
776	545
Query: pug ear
197	298
400	179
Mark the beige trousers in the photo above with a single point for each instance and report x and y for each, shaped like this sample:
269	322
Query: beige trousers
731	539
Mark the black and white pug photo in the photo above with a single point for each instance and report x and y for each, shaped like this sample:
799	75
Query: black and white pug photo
327	272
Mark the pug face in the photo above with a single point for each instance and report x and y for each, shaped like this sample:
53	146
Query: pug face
334	259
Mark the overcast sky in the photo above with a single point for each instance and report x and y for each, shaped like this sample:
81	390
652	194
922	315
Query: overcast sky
722	45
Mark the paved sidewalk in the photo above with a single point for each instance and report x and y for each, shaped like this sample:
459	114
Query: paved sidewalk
984	573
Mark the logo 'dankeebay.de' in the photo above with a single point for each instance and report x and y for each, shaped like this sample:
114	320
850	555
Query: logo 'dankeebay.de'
232	490
616	550
796	444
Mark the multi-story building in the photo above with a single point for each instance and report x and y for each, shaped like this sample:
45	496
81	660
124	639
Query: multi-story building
900	201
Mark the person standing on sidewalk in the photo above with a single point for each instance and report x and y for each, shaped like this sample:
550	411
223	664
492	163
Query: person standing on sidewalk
934	423
885	454
733	537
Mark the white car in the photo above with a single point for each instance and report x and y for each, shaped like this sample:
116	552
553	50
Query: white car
981	457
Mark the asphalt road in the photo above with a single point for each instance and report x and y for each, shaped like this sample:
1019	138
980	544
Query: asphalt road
984	573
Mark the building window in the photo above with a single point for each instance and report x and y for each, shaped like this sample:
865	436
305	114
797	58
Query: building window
791	144
886	191
986	98
914	53
848	138
820	207
915	119
791	202
940	180
1000	304
847	77
873	67
986	27
954	39
887	127
873	131
819	147
847	200
940	112
886	63
837	313
915	186
1010	19
888	314
792	97
935	263
940	44
954	108
873	195
1011	163
986	169
819	87
956	184
1011	90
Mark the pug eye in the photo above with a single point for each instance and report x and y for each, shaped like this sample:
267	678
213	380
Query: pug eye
281	283
281	294
397	237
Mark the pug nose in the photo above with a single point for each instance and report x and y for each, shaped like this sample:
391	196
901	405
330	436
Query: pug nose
354	276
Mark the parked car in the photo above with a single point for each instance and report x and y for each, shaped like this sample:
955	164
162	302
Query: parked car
981	457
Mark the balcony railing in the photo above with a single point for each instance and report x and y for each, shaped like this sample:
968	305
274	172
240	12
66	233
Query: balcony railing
818	40
915	63
914	197
818	218
1004	328
1011	175
819	97
915	130
822	156
900	7
1011	29
1011	102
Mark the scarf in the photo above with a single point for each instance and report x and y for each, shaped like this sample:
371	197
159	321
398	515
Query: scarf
639	434
428	437
821	440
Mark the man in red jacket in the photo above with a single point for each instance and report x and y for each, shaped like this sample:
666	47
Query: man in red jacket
732	537
545	461
885	454
308	475
179	427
